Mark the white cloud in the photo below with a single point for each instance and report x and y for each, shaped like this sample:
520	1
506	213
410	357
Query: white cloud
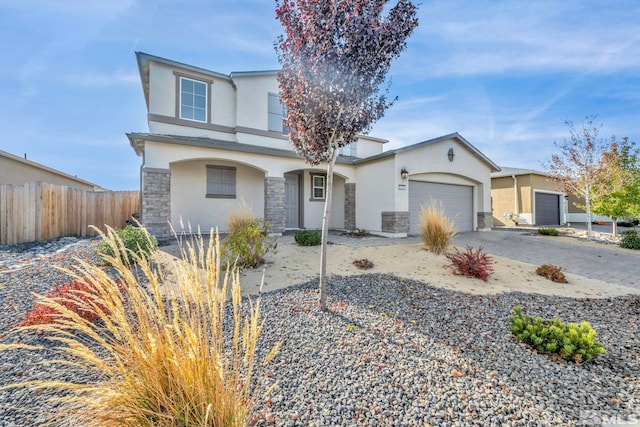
495	37
99	79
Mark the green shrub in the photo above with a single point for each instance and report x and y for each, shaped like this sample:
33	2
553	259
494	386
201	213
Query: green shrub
552	273
630	239
548	231
471	263
308	237
435	228
568	341
247	242
136	241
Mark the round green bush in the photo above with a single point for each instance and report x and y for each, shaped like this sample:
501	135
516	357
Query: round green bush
135	240
308	237
630	239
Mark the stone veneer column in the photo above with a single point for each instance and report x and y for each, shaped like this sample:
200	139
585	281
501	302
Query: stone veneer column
350	206
395	222
156	202
485	220
274	203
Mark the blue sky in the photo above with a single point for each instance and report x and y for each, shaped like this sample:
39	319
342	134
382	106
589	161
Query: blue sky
504	74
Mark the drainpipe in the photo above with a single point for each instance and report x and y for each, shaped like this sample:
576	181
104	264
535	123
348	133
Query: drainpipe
515	198
141	186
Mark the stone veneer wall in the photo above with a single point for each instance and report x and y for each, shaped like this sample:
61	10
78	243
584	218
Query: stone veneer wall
274	203
395	222
156	202
350	206
485	220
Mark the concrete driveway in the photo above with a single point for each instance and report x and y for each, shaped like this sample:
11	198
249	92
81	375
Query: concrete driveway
608	263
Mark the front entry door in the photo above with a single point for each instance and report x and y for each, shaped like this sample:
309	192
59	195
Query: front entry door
291	201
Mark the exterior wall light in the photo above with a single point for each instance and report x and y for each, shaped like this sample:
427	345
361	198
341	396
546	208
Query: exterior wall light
404	173
450	154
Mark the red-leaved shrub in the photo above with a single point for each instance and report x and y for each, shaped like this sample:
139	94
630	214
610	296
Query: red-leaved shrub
470	263
76	296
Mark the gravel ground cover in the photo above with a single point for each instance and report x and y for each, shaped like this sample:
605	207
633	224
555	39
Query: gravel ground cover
389	352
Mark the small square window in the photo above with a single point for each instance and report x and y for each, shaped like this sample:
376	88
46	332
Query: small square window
318	187
221	182
193	100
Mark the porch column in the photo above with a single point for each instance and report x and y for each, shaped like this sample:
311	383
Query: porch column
156	202
350	206
395	222
485	221
274	203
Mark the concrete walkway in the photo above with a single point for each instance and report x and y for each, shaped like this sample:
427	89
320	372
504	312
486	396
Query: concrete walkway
608	263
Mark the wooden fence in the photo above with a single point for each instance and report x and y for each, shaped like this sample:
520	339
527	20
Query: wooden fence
40	211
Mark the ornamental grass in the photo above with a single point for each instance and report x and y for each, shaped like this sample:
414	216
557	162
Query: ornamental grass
182	358
436	229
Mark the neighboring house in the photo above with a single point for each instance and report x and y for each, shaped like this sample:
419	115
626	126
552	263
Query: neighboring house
527	197
17	170
530	197
217	139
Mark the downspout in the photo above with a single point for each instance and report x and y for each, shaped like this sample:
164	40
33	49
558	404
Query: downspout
515	198
141	186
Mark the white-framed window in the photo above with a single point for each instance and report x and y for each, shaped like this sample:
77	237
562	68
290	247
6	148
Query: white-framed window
348	150
193	100
221	182
277	112
318	186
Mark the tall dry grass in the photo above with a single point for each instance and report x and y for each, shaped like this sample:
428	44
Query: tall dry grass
163	361
436	229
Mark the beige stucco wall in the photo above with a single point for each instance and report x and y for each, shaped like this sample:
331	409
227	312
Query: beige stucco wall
253	100
314	209
502	194
18	173
430	163
375	193
163	99
367	147
190	204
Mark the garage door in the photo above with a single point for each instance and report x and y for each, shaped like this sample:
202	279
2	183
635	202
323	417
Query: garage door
456	201
547	209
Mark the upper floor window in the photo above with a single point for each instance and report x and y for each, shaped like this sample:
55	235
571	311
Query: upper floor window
276	113
348	150
193	100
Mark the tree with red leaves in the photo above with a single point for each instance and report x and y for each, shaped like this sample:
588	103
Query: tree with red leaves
335	55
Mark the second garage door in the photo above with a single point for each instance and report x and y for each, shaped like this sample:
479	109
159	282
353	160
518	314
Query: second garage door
547	209
456	201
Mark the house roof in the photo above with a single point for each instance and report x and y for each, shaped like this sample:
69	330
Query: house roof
466	144
509	171
46	168
137	142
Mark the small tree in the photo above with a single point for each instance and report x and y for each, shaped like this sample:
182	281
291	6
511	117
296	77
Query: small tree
617	182
335	55
576	164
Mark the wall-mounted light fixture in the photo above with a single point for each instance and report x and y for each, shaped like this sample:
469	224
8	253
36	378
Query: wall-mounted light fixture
404	173
450	154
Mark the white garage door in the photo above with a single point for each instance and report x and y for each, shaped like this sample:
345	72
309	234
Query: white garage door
456	201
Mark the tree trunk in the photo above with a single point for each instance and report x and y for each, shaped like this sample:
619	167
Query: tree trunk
587	198
614	226
325	229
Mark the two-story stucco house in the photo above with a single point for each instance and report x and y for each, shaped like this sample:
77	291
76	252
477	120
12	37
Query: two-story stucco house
215	139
